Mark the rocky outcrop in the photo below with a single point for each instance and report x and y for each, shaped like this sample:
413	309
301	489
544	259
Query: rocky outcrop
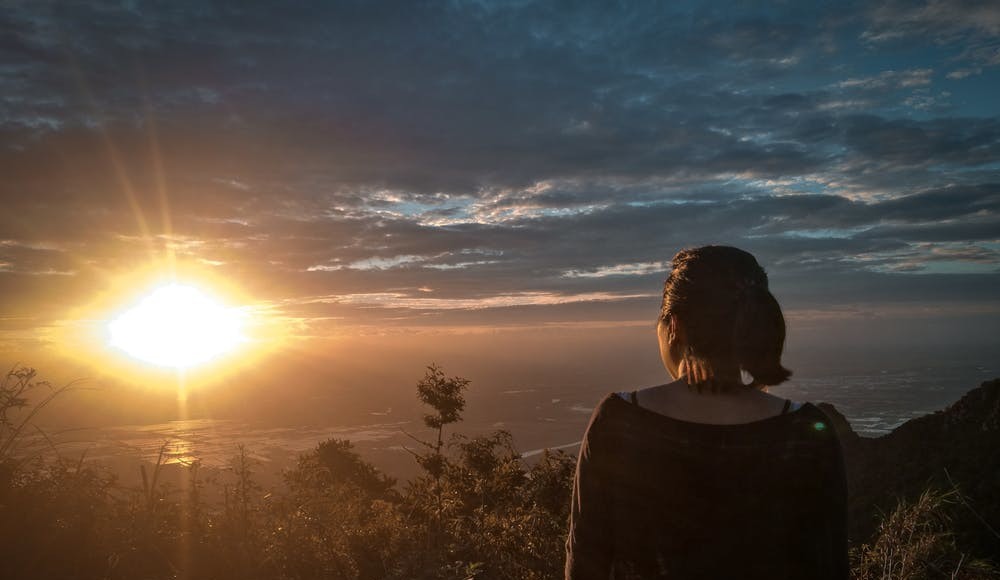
959	445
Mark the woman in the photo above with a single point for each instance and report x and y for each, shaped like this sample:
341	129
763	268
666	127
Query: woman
708	477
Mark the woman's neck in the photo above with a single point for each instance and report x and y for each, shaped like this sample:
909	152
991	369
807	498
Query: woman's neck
720	378
681	401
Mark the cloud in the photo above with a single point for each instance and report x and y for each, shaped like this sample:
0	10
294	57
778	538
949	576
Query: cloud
944	20
635	269
397	300
426	159
971	27
890	80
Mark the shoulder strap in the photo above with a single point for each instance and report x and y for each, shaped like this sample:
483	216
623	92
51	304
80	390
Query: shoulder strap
634	396
788	403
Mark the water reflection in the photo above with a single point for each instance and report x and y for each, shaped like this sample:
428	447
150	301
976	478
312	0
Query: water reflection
210	441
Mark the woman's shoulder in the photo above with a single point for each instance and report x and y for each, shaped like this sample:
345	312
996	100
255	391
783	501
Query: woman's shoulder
631	397
607	407
608	415
617	414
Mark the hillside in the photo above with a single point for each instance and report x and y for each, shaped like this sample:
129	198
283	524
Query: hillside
956	445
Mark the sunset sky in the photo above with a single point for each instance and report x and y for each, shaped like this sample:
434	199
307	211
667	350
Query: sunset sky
363	168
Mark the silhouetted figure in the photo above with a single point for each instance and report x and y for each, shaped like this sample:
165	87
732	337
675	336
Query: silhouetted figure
708	477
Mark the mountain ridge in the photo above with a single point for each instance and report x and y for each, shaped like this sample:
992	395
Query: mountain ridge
958	445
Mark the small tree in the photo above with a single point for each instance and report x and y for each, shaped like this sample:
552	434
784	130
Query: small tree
445	396
239	529
334	462
341	520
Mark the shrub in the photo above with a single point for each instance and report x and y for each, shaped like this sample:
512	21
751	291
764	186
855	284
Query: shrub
916	541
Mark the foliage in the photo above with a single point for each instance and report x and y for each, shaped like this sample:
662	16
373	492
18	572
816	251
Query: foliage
444	395
334	463
339	518
916	541
483	513
508	520
17	388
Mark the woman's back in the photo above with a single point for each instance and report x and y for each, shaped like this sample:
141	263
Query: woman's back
660	497
741	491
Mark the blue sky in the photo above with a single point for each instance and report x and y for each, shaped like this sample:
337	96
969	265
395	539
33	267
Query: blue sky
449	164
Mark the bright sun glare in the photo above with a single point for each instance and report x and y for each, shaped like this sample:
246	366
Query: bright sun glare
177	326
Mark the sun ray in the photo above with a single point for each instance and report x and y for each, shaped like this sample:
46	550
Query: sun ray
114	156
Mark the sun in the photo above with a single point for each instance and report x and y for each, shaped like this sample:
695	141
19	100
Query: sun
177	326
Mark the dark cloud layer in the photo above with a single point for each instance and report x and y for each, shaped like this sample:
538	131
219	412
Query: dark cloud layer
448	162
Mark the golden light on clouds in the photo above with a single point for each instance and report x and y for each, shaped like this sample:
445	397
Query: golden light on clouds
178	326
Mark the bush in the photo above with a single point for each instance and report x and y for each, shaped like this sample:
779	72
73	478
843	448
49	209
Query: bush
916	541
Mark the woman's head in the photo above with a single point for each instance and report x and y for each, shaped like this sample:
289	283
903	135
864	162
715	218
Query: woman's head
718	317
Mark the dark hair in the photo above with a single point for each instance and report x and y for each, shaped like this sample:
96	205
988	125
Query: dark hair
720	296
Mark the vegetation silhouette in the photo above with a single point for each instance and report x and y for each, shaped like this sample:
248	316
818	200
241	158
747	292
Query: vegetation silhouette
475	510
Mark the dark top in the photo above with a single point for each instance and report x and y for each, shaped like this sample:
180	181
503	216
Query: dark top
659	497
